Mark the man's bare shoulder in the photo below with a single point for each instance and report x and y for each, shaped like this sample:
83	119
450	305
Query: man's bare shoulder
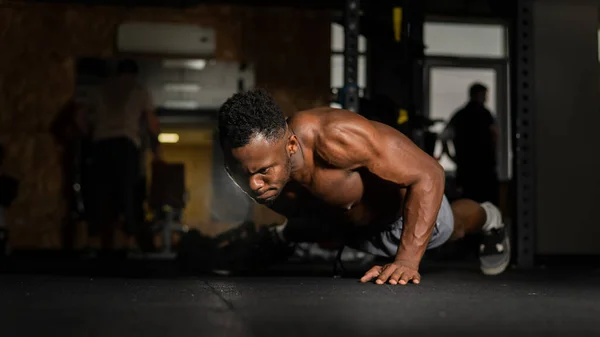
308	124
338	124
313	115
325	119
340	137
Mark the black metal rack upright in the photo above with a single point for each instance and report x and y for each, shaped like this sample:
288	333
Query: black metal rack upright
523	126
351	32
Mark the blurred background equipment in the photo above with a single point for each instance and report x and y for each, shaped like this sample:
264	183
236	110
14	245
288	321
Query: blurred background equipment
166	203
180	40
9	187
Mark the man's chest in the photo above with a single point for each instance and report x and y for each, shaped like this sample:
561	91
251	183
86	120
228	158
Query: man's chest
329	190
346	196
339	189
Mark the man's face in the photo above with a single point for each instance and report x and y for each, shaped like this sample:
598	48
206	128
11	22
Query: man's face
260	168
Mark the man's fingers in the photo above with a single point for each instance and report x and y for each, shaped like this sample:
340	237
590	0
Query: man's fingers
392	274
371	274
406	277
387	271
417	279
396	276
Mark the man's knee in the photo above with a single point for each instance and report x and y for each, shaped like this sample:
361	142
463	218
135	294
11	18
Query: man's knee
458	233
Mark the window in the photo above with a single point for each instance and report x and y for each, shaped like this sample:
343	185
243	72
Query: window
337	61
465	40
448	92
466	44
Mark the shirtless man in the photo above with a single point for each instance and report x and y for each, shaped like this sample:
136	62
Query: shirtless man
334	174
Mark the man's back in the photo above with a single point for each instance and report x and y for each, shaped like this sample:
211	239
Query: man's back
473	138
118	109
474	144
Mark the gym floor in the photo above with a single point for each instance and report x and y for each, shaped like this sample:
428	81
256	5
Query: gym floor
296	301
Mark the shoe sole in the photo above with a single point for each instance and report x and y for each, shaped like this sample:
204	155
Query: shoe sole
493	271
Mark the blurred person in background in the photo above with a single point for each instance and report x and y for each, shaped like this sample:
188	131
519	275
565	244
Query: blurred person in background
149	143
71	131
474	134
121	106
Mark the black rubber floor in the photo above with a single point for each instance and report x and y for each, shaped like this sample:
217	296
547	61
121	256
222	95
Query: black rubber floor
447	303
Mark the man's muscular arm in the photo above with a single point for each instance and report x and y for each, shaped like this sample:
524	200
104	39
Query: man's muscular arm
350	141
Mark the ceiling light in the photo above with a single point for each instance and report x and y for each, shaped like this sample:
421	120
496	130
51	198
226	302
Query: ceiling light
182	87
181	105
195	64
168	138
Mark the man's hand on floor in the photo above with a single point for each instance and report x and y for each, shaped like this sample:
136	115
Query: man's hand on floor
394	273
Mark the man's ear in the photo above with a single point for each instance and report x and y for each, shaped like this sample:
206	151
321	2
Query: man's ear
292	145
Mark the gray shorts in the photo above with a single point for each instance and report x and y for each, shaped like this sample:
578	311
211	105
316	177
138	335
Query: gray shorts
385	243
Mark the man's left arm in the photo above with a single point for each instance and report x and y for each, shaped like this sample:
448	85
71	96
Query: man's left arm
402	162
152	124
358	142
495	133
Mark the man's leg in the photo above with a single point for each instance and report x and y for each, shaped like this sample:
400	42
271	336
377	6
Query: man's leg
102	209
128	164
471	217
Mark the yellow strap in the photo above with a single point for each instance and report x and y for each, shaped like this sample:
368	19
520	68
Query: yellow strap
397	23
402	117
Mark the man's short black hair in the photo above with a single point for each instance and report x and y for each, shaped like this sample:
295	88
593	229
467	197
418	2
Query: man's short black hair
248	114
476	89
127	66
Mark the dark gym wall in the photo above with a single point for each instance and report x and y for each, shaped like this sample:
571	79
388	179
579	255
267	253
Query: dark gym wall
289	48
567	117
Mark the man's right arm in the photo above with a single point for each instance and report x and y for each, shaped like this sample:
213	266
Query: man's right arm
495	133
447	136
448	133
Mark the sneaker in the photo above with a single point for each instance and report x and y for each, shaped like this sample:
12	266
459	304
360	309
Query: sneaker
494	251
